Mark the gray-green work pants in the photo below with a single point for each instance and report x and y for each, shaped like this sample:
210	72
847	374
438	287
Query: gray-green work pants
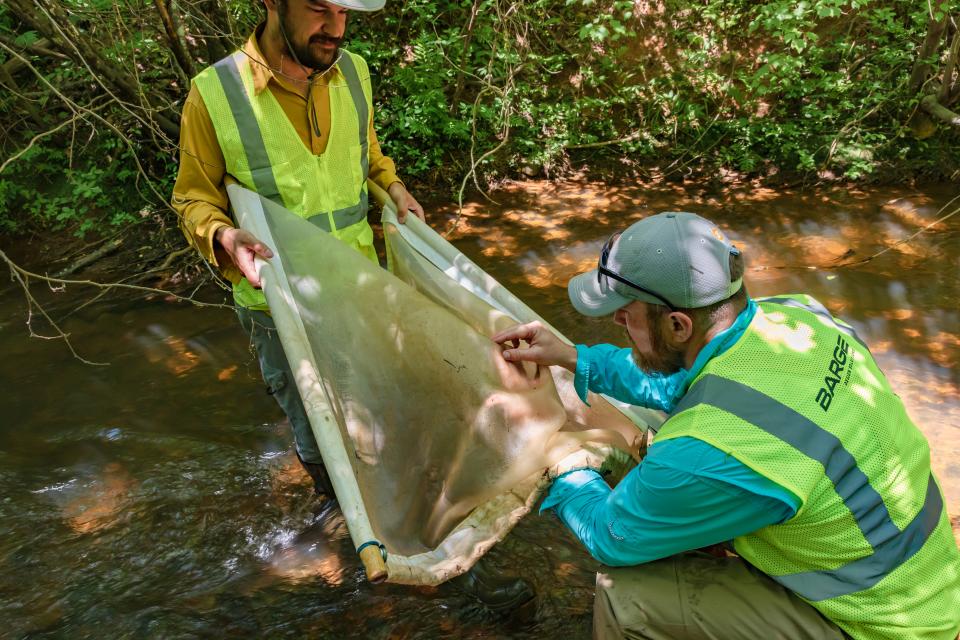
280	384
696	596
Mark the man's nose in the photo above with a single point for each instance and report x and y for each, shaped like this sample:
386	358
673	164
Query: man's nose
334	27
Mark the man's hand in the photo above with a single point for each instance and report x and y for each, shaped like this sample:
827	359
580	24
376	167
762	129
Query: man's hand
405	202
611	462
545	348
587	457
243	247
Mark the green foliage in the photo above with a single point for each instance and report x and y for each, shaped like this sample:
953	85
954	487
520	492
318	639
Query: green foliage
804	87
97	191
800	87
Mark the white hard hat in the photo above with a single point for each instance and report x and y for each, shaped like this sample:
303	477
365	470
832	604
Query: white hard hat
360	5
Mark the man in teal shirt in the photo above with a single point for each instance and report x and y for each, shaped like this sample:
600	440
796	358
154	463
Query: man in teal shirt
675	283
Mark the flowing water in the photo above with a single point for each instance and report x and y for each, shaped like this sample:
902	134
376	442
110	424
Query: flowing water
157	497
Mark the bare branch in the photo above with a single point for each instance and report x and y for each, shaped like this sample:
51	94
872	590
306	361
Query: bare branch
40	48
862	261
40	136
593	145
56	26
88	259
109	285
506	112
7	80
23	278
464	52
76	108
908	238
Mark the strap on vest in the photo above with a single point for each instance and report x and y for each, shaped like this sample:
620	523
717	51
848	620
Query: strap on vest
891	547
228	71
886	557
347	216
349	71
343	218
261	169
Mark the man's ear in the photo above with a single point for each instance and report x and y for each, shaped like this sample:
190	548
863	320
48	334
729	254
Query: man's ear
270	5
680	327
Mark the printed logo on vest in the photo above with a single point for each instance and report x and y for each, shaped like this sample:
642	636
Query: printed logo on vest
835	370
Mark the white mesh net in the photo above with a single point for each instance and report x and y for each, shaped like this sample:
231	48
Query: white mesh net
435	445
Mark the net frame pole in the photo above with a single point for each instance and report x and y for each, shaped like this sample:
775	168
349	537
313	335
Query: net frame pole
248	211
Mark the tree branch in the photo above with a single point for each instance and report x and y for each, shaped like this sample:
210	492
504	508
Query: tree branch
945	95
7	80
922	68
464	53
930	105
177	44
23	278
219	43
37	48
78	109
50	20
90	258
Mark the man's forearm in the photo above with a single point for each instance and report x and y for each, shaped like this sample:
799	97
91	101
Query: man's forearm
586	504
202	223
218	233
383	171
662	507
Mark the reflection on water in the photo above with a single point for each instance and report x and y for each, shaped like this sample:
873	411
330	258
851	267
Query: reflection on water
158	496
97	504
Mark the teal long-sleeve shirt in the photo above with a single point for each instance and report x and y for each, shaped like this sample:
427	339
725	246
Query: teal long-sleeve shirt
686	494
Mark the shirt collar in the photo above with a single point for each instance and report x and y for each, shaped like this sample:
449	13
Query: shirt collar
262	72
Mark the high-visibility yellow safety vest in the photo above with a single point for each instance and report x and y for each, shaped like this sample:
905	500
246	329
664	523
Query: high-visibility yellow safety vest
800	400
264	153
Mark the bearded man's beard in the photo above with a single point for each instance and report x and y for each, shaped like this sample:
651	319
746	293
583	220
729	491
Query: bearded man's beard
665	359
304	53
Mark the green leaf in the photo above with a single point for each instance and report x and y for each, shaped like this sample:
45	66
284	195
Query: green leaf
26	39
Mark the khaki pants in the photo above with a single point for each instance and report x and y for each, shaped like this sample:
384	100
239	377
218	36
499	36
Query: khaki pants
697	596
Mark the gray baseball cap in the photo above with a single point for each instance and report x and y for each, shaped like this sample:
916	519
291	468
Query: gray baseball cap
675	259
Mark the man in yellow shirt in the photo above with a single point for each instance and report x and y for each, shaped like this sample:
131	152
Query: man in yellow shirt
293	60
292	72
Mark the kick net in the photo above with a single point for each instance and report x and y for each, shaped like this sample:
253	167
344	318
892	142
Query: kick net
435	445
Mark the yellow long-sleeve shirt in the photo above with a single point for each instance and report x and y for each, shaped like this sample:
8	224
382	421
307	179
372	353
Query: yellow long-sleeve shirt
200	193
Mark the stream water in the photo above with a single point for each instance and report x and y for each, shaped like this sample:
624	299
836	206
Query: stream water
157	496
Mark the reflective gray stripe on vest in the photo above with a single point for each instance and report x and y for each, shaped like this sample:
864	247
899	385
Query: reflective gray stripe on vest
228	71
866	572
821	311
349	71
891	547
342	217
